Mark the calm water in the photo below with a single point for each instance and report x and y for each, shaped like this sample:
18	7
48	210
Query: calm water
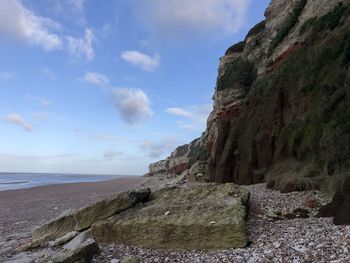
10	181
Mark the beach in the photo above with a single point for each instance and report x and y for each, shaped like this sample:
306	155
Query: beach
23	210
272	239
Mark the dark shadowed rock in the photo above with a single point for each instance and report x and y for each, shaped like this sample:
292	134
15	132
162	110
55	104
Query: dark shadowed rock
339	208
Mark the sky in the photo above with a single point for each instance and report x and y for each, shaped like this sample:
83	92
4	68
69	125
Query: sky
107	87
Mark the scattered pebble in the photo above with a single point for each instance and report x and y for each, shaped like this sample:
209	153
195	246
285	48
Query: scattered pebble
295	240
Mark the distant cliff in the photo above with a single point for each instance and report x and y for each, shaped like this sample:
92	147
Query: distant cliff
281	104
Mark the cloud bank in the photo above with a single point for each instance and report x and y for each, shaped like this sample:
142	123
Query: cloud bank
21	24
184	18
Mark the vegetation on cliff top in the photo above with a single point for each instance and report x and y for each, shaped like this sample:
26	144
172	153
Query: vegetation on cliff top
236	48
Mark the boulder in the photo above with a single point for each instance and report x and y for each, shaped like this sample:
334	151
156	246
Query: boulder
83	218
80	249
339	208
205	216
82	254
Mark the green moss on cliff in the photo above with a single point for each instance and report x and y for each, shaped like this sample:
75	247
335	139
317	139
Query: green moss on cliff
240	73
298	111
302	104
329	21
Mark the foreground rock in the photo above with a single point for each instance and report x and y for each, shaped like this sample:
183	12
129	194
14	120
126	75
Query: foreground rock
68	239
206	216
339	208
83	218
272	241
81	249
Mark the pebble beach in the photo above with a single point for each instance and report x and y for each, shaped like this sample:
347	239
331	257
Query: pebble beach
272	238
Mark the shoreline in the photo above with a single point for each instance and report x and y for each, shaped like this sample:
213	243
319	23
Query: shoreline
31	180
73	184
22	210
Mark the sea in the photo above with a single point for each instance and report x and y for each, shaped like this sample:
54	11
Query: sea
12	181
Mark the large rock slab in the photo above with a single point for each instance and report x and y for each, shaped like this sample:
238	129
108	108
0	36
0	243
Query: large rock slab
83	218
206	216
339	208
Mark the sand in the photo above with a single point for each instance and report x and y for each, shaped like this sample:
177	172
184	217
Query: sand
24	209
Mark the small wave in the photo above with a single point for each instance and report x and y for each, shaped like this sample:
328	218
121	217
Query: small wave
14	182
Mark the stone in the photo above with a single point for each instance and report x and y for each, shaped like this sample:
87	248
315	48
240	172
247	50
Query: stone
189	225
339	208
82	254
83	218
301	213
299	247
64	239
79	239
310	202
130	260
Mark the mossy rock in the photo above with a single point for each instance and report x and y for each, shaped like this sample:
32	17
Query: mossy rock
207	216
83	218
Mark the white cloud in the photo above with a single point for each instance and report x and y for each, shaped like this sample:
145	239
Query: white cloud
48	73
19	23
184	18
133	105
141	60
17	119
156	149
78	4
196	116
6	75
96	78
79	47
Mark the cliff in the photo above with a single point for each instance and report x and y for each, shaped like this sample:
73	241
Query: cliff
281	104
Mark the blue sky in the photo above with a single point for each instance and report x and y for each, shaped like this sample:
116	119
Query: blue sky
106	87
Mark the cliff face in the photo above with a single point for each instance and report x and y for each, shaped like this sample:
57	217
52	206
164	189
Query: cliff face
281	103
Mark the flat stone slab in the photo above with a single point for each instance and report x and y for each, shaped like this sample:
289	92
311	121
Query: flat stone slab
206	216
83	218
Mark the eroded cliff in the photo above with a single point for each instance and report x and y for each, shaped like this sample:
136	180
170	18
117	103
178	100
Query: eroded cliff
281	104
